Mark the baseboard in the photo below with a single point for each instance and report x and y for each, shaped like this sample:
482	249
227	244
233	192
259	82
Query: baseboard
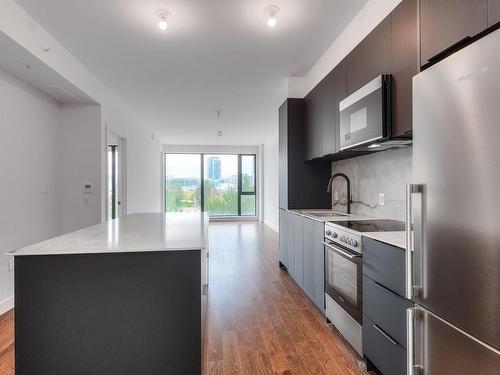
6	305
272	226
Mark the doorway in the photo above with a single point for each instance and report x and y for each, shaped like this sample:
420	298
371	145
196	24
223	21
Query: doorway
115	177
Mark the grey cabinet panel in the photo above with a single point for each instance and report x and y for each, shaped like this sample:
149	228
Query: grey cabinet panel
309	253
385	308
370	58
445	22
283	238
290	220
301	184
313	123
385	264
333	92
493	12
283	155
298	247
405	64
386	355
319	266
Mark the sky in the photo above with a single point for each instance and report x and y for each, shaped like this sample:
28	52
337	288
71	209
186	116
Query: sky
188	165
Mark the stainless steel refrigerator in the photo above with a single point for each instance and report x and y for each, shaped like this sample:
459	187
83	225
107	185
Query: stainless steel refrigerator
453	266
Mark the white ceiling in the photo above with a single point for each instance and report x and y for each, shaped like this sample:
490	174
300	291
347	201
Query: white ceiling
215	55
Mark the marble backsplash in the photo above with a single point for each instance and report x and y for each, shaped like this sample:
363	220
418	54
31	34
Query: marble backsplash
385	172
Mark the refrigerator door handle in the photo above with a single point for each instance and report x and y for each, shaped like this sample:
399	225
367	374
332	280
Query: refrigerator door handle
410	245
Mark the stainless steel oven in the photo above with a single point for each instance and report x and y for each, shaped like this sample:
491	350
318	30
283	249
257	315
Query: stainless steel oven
343	283
365	115
343	278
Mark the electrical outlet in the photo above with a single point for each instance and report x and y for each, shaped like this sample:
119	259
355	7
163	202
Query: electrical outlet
336	196
11	264
381	199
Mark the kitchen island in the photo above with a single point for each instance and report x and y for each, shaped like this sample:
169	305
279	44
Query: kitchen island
124	297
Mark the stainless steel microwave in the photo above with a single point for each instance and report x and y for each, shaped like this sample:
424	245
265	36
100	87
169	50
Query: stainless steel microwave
365	115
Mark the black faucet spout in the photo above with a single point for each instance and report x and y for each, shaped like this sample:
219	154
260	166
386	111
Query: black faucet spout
329	188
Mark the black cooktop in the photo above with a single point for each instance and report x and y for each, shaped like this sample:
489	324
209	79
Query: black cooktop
373	225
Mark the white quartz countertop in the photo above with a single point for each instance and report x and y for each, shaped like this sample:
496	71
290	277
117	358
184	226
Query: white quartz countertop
132	233
397	239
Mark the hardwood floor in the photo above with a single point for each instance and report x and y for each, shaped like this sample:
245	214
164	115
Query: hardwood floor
259	321
7	343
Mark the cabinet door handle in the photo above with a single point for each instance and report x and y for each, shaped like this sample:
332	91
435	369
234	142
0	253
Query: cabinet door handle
384	334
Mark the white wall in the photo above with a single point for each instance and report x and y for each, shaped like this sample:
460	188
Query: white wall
271	182
80	162
143	161
29	167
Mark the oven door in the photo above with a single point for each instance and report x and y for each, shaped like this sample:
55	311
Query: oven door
365	116
343	279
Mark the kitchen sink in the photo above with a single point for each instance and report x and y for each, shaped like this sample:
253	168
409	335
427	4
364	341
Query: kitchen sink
323	213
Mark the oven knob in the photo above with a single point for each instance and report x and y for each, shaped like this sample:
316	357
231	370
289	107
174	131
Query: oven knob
328	232
343	239
335	235
355	243
349	241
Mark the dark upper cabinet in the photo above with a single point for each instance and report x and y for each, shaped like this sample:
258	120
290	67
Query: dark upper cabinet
404	65
370	58
301	184
493	12
334	90
446	22
313	123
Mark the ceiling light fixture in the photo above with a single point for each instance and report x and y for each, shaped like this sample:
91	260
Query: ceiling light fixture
162	15
272	12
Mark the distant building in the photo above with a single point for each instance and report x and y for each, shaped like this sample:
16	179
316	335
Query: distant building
213	168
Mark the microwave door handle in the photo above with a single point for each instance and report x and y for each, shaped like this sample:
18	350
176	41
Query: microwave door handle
345	254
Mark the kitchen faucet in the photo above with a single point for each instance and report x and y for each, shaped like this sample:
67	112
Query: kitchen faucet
329	188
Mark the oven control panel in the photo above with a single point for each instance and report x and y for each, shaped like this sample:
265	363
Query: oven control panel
342	237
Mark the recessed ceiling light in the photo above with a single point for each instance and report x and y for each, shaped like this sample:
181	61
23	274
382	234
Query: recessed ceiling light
272	14
162	16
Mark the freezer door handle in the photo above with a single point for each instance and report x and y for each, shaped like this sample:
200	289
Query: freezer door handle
411	368
410	239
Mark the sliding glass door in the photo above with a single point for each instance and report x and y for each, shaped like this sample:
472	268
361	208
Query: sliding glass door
182	183
220	184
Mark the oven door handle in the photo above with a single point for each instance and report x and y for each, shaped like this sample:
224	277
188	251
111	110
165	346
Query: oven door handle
341	252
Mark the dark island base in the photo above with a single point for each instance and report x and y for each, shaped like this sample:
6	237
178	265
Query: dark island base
108	314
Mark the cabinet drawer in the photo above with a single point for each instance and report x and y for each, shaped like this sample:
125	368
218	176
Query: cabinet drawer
385	264
386	309
386	354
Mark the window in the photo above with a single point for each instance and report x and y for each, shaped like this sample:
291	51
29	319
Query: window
220	184
182	183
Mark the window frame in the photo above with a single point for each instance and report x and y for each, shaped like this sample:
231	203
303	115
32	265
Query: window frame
241	193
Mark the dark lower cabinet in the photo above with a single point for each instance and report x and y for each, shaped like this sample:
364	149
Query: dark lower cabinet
445	22
112	313
301	252
382	351
384	307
